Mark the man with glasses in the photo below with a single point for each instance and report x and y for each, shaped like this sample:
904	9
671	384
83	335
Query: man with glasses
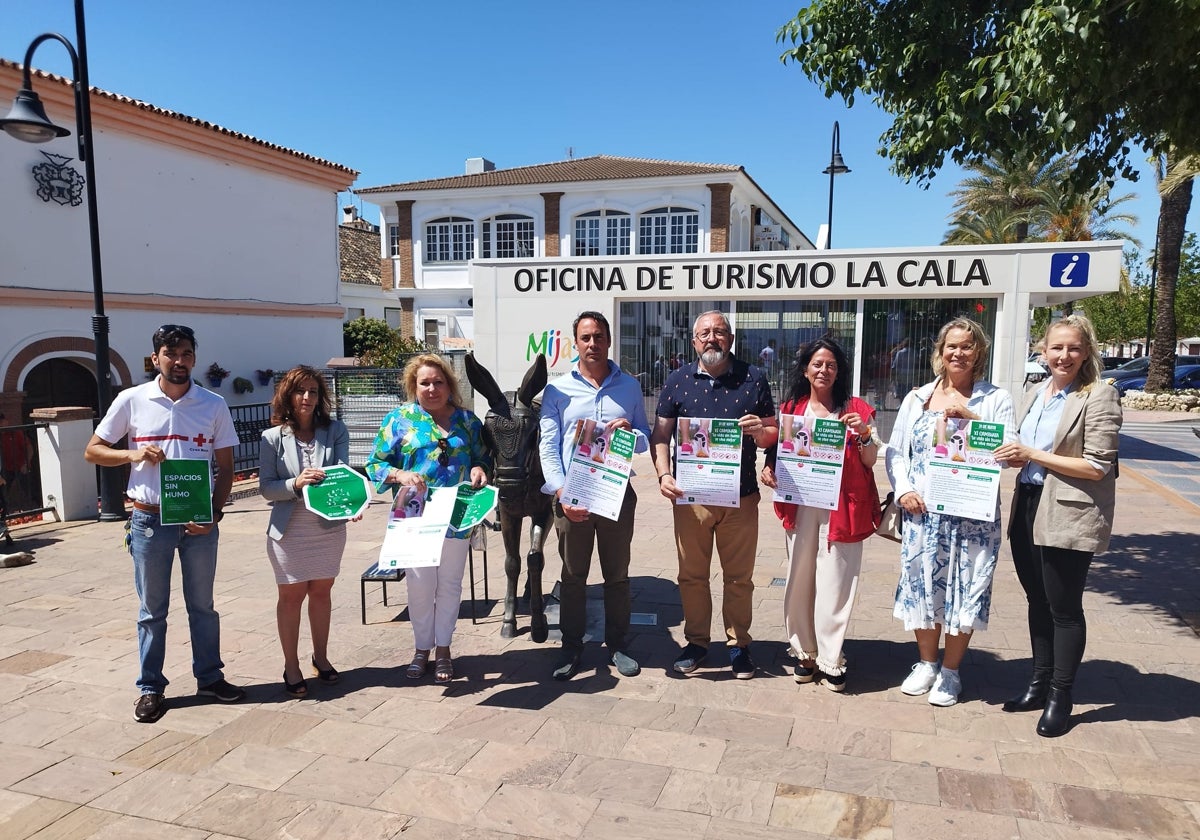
171	417
597	389
716	385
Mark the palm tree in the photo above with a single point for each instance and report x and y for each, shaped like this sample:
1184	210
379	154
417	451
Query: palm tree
994	226
1014	184
1174	175
1072	217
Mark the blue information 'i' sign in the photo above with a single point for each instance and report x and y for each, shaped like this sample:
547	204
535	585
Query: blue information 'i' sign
1069	271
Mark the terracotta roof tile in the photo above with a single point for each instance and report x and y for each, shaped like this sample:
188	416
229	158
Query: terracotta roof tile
146	106
358	255
595	168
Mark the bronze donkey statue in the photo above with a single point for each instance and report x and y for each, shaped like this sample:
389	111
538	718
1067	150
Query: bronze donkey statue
511	431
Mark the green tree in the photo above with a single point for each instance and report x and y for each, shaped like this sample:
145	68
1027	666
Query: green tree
375	344
966	79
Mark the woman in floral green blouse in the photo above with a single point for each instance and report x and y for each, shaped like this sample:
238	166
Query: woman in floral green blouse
432	442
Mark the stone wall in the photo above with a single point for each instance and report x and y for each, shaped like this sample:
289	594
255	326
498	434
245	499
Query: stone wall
1188	401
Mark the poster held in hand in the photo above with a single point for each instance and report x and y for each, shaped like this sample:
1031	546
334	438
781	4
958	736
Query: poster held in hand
598	473
809	461
708	461
185	491
963	477
344	493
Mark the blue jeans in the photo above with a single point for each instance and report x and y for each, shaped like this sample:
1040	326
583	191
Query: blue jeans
153	547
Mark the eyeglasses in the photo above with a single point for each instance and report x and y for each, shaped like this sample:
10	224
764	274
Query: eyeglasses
443	446
179	328
714	333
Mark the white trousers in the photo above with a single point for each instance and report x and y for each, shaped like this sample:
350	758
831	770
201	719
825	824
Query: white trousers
819	596
435	596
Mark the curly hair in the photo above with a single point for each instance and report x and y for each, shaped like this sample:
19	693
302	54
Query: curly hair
281	403
409	377
799	387
982	345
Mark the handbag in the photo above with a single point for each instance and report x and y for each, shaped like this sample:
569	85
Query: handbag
890	519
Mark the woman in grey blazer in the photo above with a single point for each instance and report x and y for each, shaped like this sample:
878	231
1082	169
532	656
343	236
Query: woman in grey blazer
304	549
1062	513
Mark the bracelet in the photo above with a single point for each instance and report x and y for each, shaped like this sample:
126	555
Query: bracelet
661	476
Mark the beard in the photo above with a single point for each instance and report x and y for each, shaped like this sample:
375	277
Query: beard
177	377
714	356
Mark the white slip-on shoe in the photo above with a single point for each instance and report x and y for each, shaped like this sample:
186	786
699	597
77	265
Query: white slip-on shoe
945	689
921	679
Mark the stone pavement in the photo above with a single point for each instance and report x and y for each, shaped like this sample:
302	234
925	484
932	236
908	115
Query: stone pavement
505	753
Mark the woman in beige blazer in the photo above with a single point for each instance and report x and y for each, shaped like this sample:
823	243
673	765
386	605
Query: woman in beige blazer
304	549
1062	513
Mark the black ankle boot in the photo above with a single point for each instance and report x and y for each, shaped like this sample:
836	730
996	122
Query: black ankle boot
1056	719
1033	698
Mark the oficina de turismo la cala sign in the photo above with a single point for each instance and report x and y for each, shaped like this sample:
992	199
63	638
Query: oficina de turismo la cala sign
936	271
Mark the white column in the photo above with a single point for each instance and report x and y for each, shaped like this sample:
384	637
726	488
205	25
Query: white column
68	481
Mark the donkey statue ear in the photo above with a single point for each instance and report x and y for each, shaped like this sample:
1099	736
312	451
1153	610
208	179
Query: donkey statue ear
534	381
483	382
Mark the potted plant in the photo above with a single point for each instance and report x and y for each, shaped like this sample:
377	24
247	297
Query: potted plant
265	376
241	385
215	375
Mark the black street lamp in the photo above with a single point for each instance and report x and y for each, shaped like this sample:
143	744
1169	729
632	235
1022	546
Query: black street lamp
837	166
27	121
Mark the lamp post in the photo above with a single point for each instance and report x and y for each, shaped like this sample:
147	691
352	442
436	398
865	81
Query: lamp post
837	166
27	121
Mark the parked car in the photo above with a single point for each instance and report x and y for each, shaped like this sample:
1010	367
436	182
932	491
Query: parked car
1186	376
1111	362
1138	367
1035	368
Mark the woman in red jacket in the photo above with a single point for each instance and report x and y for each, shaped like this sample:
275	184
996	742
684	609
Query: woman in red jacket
825	546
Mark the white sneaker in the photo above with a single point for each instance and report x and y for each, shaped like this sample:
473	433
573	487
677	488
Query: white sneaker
945	689
921	679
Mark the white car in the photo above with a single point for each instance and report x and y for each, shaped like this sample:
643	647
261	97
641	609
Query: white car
1035	368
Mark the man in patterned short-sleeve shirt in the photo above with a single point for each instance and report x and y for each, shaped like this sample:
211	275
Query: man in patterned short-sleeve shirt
716	385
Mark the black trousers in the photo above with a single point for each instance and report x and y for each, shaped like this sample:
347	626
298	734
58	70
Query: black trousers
575	543
1053	579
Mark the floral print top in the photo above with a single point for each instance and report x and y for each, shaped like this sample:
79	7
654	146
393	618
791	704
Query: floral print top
409	440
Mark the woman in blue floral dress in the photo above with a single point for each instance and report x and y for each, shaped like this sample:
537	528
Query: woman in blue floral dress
946	562
432	442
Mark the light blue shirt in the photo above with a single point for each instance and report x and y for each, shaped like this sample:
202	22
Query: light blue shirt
1038	429
572	398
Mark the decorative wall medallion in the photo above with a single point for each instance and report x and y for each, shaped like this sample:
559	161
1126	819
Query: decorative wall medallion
58	182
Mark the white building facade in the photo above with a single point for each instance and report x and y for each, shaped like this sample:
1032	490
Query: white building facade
589	207
199	225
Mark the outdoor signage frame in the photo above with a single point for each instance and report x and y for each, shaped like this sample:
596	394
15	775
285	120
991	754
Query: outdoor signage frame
526	306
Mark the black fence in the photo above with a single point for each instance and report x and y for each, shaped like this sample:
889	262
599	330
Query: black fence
20	466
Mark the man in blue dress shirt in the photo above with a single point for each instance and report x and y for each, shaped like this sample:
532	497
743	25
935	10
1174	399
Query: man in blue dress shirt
597	389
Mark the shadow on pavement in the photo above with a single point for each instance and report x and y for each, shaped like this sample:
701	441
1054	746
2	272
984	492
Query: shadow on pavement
1150	569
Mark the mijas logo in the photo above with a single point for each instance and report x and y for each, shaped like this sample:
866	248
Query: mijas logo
554	344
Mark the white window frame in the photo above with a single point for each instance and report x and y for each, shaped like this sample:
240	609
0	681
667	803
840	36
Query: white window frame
514	236
669	230
394	240
602	233
450	239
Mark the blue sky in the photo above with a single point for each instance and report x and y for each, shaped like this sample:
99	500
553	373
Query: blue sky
402	91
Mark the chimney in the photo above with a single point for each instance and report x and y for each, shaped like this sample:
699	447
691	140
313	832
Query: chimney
349	214
478	165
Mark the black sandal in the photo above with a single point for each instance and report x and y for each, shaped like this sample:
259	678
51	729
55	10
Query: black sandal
296	689
328	676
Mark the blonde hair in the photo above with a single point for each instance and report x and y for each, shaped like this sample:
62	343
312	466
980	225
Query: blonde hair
409	377
982	345
1089	369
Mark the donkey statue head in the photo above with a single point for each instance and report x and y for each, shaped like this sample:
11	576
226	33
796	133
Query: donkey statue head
510	430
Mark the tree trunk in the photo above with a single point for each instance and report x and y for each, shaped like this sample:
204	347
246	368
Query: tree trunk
1173	213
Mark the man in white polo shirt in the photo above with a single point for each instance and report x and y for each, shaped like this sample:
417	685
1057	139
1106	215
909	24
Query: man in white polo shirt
171	418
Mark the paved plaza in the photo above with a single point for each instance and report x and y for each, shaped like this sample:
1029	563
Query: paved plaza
504	752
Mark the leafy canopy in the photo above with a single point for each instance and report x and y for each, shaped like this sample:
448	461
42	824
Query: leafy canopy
966	78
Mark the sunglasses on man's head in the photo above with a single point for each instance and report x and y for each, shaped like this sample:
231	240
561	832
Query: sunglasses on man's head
443	446
179	328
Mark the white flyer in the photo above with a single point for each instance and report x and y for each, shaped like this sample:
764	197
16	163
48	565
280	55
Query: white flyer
962	477
708	461
416	528
599	469
809	461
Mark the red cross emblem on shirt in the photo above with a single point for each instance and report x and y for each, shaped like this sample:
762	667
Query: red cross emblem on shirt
200	439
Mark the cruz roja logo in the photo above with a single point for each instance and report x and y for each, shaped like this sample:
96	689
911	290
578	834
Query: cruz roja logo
1069	271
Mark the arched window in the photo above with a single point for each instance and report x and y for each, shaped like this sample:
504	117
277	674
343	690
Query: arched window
451	239
508	235
601	232
669	230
